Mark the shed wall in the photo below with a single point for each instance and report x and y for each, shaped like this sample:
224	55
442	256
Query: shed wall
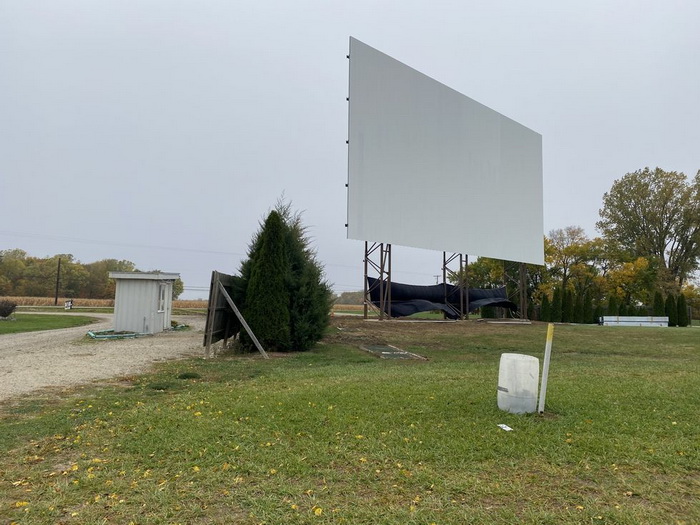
136	306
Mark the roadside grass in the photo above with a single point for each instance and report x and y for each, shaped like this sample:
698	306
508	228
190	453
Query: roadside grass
33	322
338	436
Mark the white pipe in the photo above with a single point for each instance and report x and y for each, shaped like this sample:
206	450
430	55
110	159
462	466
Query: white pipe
545	367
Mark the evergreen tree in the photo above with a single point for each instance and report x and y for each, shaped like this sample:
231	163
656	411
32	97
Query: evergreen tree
565	299
578	309
613	306
267	295
671	310
546	309
597	313
682	307
658	308
622	310
588	316
311	297
488	312
556	306
567	309
308	297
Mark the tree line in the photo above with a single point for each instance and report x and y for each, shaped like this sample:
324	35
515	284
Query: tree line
643	263
22	275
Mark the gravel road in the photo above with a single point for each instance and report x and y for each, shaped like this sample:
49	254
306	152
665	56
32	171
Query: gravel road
60	358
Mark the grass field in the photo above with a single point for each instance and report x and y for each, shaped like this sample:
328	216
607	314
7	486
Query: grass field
338	436
24	322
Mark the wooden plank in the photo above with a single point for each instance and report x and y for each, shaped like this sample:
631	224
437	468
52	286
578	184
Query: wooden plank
242	320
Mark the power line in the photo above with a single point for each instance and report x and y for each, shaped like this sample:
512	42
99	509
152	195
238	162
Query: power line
111	243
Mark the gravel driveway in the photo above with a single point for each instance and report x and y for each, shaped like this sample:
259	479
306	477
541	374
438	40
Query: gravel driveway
58	358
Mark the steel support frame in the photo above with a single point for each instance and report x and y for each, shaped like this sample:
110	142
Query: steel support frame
378	259
461	278
521	282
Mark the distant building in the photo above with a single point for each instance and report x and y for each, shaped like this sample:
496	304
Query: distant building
143	301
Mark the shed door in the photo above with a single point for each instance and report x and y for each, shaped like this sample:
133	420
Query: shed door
164	305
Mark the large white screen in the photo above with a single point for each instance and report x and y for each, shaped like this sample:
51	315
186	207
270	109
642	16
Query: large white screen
431	168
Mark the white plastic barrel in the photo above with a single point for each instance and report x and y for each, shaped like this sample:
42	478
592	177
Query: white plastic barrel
518	376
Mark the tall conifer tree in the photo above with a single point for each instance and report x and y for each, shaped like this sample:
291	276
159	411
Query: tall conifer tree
267	295
682	307
671	310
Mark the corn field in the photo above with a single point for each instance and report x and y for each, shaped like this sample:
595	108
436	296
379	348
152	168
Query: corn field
90	303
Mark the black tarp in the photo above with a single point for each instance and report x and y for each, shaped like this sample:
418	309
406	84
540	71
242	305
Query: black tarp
408	299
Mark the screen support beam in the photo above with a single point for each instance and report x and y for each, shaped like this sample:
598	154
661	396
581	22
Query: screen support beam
523	290
461	278
378	259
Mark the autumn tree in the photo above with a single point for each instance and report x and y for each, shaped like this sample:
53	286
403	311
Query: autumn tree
565	248
632	282
98	285
656	214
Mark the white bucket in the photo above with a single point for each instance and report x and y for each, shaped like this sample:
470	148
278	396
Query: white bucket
518	376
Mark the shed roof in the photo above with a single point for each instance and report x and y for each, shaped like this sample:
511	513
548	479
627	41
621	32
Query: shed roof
146	276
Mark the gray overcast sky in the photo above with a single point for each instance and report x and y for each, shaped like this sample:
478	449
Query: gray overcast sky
162	131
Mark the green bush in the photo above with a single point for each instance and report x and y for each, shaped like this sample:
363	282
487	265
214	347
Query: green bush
7	308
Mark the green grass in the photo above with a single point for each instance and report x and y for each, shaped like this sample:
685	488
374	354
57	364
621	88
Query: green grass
338	436
62	310
32	322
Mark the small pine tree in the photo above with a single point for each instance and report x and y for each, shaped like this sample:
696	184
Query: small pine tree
267	296
671	310
308	297
623	310
546	309
658	308
588	316
556	306
613	306
682	307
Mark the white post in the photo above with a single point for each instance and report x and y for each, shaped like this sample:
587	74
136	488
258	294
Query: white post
545	367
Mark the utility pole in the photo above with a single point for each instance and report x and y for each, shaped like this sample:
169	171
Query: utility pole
58	281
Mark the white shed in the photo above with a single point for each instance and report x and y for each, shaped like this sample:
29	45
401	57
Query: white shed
143	301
